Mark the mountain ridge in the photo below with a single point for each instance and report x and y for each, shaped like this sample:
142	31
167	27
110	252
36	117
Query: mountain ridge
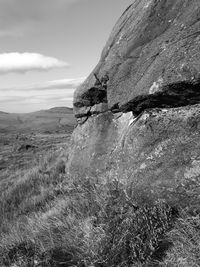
51	120
63	108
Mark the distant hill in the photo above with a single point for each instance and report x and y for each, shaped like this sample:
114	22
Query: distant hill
58	119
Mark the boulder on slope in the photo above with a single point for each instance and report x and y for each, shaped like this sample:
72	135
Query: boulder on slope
150	135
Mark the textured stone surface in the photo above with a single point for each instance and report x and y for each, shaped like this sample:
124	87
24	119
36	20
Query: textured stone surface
154	43
160	149
149	135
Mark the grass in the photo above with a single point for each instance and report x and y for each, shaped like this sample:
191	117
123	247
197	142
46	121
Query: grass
185	238
49	218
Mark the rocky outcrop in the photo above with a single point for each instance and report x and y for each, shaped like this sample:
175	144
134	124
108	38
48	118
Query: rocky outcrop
144	128
157	152
154	43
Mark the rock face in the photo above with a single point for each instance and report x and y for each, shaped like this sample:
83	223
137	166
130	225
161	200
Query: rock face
143	128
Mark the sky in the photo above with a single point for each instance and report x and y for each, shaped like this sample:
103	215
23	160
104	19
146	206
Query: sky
48	47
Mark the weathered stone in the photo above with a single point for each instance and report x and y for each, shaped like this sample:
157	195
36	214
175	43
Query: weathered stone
154	42
83	112
99	108
152	59
161	149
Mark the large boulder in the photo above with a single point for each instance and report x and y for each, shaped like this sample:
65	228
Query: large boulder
154	43
145	130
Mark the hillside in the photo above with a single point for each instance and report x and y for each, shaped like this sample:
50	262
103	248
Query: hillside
59	119
26	138
124	190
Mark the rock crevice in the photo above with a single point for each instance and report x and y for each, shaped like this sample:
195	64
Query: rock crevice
169	96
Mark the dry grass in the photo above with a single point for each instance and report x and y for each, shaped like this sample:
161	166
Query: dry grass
54	220
186	243
51	219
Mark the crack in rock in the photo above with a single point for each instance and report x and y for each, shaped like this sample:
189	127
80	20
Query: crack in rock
170	96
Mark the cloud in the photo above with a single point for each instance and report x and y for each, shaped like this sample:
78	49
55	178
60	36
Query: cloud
44	95
56	84
23	62
14	12
47	86
10	33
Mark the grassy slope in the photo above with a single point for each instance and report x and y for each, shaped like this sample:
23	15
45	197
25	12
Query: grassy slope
51	219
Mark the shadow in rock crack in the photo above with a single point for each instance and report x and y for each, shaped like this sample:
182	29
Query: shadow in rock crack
96	94
171	96
92	97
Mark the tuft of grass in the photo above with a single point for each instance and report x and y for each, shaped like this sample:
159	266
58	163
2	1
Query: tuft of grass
30	191
49	218
185	237
89	224
134	235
